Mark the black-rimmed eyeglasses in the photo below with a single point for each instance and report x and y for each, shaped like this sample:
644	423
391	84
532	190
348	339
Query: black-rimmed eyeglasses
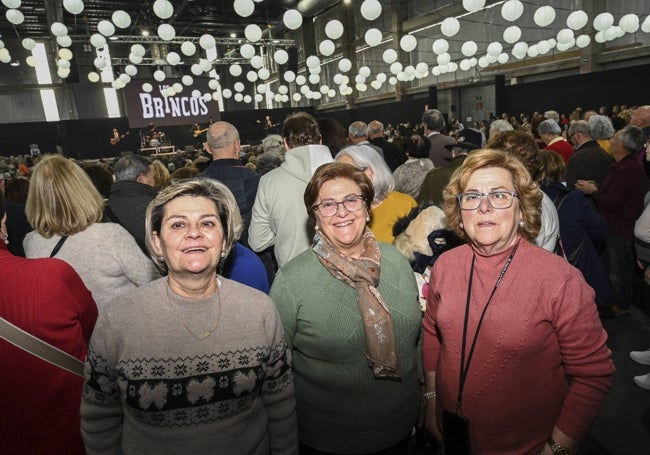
329	207
497	199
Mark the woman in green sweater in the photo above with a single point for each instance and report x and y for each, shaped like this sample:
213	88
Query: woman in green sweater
349	307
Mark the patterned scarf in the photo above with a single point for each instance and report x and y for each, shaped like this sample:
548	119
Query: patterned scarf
363	275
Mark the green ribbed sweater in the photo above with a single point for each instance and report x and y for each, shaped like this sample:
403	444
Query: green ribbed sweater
341	407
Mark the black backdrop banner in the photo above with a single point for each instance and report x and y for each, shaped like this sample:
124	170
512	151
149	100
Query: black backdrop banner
144	108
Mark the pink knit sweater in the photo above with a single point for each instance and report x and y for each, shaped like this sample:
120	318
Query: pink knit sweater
540	328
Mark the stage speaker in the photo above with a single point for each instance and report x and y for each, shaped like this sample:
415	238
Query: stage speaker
433	97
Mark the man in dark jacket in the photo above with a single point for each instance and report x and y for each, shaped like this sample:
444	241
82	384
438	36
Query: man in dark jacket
130	194
224	146
393	156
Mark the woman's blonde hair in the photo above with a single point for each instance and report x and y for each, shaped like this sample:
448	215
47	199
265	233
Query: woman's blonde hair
62	200
161	175
217	192
530	196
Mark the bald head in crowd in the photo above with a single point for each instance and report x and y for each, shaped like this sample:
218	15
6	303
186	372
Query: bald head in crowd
641	117
223	141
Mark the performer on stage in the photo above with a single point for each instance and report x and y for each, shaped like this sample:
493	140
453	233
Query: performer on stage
116	141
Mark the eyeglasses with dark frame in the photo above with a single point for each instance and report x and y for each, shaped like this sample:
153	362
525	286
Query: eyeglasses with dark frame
497	199
329	207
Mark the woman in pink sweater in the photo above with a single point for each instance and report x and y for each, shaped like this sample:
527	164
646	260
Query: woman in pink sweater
514	352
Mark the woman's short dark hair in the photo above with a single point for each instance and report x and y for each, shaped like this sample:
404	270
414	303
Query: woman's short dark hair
418	146
552	167
336	170
301	129
333	133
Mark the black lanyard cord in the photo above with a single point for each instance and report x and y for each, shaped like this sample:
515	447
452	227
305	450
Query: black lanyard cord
464	366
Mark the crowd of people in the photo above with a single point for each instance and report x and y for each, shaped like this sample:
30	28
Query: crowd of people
331	290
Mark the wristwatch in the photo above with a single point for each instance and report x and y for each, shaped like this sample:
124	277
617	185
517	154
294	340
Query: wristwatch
556	448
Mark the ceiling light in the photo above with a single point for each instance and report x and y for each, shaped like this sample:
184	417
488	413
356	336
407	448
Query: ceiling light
233	35
15	63
145	32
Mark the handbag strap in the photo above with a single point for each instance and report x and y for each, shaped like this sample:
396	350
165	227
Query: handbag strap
39	348
58	246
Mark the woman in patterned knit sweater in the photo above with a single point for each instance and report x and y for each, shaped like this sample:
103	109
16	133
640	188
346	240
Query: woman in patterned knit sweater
514	352
192	362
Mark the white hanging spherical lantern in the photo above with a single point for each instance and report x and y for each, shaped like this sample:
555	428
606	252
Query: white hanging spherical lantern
519	50
106	28
99	63
207	97
207	41
263	73
532	51
583	41
121	18
483	62
65	54
159	75
137	49
359	79
304	89
577	19
324	89
331	93
345	65
443	59
512	10
365	71
544	16
239	86
247	51
503	58
396	67
409	70
163	9
235	70
373	37
131	70
440	46
135	59
435	71
15	16
64	41
302	80
603	21
361	87
464	65
564	36
196	69
312	62
392	80
239	97
281	56
63	63
289	76
259	98
253	33
187	80
629	23
226	93
213	84
381	77
296	97
73	6
543	47
59	29
450	26
491	58
389	56
314	79
645	26
370	9
257	61
147	87
247	99
125	78
292	19
97	40
29	43
494	48
326	47
376	85
283	89
469	48
65	72
93	77
422	68
188	48
166	32
173	58
338	78
408	43
512	34
12	3
196	94
334	29
473	5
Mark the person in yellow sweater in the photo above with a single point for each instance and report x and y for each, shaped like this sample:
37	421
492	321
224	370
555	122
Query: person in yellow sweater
388	205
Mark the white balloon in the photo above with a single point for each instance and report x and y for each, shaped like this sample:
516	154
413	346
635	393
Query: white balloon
226	93
483	62
544	16
465	65
106	28
408	43
121	18
359	79
503	58
131	70
207	41
491	58
99	63
147	87
313	62
292	19
239	86
473	5
29	43
188	48
64	41
334	29
392	80
283	90
564	36
519	50
93	77
235	70
97	40
247	51
396	67
239	97
583	41
11	3
629	23
196	94
389	56
207	97
196	69
244	8
361	87
259	98
533	51
331	93
364	71
173	58
577	19
15	16
345	65
205	65
375	84
370	9
166	32
73	6
187	80
65	72
159	75
261	88
443	59
603	21
125	78
281	56
409	70
137	49
645	26
469	48
213	84
314	79
263	73
512	34
373	37
440	46
135	59
512	10
247	99
251	76
253	32
338	78
301	80
163	9
450	26
257	62
326	47
65	54
543	47
296	97
63	63
494	48
324	89
59	29
289	76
